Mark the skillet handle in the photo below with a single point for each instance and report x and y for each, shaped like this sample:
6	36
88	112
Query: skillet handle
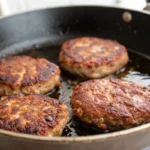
147	6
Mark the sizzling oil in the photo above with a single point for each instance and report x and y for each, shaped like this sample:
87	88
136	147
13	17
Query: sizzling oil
137	70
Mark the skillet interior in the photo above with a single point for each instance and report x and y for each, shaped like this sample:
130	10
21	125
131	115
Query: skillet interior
135	71
49	28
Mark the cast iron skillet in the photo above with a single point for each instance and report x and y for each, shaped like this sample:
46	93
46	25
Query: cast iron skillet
40	34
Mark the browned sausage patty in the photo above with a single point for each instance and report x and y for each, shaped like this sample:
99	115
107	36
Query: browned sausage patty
23	74
92	57
33	114
111	104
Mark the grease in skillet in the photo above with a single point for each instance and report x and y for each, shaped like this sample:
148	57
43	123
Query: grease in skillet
137	70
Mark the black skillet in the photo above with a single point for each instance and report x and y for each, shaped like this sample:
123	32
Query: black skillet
40	34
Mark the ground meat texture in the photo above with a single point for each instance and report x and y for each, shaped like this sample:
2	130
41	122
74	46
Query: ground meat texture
111	104
26	75
33	114
91	57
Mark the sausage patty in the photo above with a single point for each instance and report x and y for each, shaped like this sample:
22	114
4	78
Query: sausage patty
111	104
92	57
26	75
33	114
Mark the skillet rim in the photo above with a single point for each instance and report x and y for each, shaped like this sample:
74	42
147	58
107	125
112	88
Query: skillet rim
80	139
74	6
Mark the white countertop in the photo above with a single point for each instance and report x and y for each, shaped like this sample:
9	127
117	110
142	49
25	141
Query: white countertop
14	6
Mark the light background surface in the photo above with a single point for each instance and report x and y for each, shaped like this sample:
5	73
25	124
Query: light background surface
14	6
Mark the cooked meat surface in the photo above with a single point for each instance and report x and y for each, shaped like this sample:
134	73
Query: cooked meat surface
26	75
92	57
111	104
33	114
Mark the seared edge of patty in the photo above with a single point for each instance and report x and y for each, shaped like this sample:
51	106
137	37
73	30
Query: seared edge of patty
111	104
23	74
92	57
33	114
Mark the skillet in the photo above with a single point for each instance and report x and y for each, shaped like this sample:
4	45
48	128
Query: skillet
40	33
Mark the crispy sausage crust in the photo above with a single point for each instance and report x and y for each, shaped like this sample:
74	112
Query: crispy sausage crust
111	104
23	74
92	57
33	114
